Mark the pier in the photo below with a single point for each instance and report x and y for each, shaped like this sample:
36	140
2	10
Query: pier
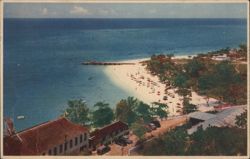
107	63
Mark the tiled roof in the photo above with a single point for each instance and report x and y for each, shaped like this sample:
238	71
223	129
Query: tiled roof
98	134
43	137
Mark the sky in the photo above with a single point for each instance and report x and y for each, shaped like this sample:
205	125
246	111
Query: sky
126	10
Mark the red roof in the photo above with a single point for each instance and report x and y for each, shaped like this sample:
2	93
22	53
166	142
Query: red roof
39	139
97	135
223	106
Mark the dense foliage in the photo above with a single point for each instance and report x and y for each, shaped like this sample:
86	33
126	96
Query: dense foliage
103	115
77	112
212	141
131	110
224	80
241	120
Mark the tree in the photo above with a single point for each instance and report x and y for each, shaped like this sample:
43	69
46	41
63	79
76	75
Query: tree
139	129
124	110
194	67
143	111
175	141
188	107
103	115
184	92
181	80
241	120
159	109
212	141
77	112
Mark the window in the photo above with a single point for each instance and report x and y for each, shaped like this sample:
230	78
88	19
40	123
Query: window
81	138
65	146
85	136
71	143
61	148
55	151
50	152
76	141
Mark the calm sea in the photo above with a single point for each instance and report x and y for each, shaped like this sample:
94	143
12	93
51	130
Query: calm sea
42	57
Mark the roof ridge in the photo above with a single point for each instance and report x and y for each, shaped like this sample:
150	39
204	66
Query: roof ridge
40	125
112	124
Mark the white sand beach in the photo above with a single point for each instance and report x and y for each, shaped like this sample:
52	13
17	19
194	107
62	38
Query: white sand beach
138	82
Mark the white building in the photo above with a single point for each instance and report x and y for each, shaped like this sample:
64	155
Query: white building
58	137
221	57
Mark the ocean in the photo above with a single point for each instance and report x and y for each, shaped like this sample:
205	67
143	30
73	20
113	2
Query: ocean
42	57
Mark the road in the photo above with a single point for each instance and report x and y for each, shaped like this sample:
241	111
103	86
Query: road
130	149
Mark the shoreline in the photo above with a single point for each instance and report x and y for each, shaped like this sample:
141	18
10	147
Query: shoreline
141	84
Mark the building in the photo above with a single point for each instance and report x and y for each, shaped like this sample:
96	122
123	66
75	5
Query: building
221	57
198	117
107	134
58	137
225	118
222	107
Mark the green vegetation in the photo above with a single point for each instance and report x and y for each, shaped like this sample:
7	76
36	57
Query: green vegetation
125	110
103	115
139	129
188	107
160	110
77	112
241	120
212	141
129	110
224	80
143	112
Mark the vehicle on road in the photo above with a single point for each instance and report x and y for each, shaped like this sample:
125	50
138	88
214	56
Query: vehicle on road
156	123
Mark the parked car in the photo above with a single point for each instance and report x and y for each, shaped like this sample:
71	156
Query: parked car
126	139
152	126
103	149
156	123
120	142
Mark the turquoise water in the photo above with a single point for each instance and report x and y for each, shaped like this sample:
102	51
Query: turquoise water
42	57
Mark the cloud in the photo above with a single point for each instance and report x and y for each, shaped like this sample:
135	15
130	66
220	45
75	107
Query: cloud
79	11
107	12
44	11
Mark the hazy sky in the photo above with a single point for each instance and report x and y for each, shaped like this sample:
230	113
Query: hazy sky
86	10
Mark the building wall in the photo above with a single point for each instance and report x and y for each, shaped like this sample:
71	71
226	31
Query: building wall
110	138
77	146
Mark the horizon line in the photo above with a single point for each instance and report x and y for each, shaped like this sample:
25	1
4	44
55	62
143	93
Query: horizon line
114	18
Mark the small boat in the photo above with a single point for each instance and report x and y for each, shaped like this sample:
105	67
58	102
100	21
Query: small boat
20	117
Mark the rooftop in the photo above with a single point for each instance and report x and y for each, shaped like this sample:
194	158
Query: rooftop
201	115
40	138
98	134
221	119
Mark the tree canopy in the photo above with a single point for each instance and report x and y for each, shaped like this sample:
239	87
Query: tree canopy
102	115
210	142
125	110
77	112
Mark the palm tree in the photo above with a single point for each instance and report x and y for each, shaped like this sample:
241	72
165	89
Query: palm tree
103	115
77	111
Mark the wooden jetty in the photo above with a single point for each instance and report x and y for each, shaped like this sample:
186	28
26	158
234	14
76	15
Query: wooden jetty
106	63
